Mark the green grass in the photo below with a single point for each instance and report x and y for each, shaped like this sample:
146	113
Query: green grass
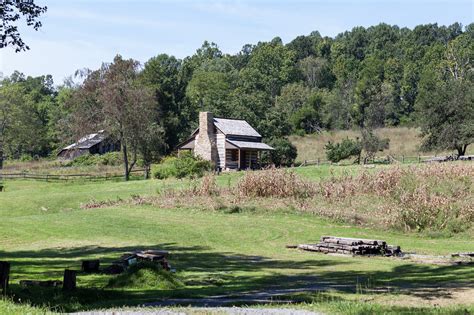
213	252
8	307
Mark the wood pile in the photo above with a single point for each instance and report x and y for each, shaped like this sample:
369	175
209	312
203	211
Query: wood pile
43	283
132	258
351	246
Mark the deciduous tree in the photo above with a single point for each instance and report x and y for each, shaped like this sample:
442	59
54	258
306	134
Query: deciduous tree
11	11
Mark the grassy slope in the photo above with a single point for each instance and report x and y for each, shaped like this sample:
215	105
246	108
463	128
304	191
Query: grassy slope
403	141
218	252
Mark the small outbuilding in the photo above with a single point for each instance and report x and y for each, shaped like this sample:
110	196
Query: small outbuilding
95	143
232	144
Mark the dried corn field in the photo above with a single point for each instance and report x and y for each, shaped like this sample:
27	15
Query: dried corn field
437	197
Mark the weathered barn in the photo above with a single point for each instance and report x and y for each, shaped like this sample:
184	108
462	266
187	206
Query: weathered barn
230	143
95	143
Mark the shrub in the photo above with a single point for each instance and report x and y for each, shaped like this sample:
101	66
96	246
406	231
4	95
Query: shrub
284	154
373	144
26	158
144	275
109	158
186	165
343	150
165	169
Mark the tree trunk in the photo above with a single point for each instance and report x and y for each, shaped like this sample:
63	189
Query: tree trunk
125	161
461	150
69	280
1	156
4	276
147	171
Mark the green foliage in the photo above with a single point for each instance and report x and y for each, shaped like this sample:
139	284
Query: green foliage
372	144
284	154
446	94
109	158
146	275
365	77
336	152
186	165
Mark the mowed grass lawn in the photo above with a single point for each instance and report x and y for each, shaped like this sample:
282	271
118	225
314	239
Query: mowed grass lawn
44	230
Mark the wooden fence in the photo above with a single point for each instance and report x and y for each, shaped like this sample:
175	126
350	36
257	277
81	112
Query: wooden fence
390	159
66	177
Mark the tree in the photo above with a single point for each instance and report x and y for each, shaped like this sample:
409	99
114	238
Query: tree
113	99
317	72
162	75
372	144
446	114
211	87
26	105
446	97
293	96
11	11
271	66
308	118
336	152
8	104
284	154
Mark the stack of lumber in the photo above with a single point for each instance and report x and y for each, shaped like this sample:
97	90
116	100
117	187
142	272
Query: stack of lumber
131	258
351	246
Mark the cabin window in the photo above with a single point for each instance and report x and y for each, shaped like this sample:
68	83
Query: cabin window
233	155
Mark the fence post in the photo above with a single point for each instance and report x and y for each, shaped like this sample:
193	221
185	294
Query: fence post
4	276
419	159
69	281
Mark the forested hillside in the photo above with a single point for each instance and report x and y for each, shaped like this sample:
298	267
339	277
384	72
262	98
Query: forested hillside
368	77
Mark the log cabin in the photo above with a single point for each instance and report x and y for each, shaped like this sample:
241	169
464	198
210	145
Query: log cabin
95	143
231	144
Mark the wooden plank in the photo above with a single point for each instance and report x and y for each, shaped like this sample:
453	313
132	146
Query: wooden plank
69	282
4	276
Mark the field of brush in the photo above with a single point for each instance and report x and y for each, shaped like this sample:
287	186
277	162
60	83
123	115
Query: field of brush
227	235
403	142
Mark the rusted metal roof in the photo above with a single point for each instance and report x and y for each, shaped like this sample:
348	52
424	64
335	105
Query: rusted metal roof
88	141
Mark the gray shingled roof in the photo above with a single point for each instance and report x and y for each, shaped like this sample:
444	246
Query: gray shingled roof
250	145
88	141
235	127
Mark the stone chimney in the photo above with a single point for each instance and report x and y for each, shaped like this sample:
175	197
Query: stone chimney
205	145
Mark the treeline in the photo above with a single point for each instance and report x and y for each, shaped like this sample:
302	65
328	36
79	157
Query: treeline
366	78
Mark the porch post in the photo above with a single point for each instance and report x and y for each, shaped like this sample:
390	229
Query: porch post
238	161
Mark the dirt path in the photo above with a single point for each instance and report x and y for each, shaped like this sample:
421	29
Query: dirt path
254	297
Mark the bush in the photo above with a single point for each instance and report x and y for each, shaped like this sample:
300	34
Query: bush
145	275
373	144
343	150
26	158
284	154
110	159
165	169
186	165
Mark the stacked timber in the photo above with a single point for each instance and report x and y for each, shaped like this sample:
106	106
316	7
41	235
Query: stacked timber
351	246
131	258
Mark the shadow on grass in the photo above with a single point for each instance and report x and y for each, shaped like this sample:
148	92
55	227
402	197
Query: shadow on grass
208	273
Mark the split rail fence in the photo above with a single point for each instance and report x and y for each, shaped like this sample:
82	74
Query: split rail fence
390	159
67	177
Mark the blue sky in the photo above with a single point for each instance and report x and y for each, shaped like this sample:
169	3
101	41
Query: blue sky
83	33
